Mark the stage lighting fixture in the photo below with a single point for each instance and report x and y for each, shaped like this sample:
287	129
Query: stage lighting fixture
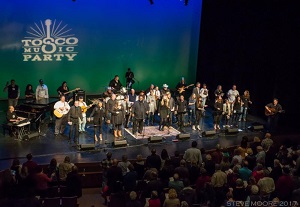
186	2
151	2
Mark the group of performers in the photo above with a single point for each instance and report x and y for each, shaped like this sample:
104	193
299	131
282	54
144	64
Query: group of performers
117	107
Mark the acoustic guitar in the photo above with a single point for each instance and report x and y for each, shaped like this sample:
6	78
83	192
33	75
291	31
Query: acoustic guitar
85	108
181	89
58	113
272	112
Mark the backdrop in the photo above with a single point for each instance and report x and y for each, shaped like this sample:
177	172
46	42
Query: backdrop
88	42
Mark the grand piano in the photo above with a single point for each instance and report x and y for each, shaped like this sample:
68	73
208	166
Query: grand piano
36	110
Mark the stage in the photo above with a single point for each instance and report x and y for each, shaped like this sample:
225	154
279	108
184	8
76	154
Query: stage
44	145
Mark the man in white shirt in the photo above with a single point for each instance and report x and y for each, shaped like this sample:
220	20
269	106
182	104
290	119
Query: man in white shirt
204	94
41	92
232	94
61	109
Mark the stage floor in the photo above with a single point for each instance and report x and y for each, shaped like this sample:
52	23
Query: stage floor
46	146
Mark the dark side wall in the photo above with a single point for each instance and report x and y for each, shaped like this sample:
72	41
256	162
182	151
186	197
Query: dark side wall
255	45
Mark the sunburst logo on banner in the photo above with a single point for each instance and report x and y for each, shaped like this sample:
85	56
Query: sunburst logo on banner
49	42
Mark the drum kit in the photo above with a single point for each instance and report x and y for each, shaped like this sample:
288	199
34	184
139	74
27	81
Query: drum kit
121	94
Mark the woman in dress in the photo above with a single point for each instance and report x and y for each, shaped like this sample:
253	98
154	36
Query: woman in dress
98	115
164	112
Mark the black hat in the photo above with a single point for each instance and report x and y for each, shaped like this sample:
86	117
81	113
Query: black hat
80	97
41	81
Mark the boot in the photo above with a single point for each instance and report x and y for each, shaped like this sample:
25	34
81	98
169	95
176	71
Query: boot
193	127
96	138
100	136
119	133
115	133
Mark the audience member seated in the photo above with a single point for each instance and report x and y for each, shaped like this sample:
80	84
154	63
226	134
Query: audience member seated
52	169
64	168
153	160
139	166
73	183
171	200
30	164
154	200
41	181
130	179
123	164
133	202
175	183
239	191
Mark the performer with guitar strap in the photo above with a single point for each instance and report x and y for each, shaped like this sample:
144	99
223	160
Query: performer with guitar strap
272	111
61	109
181	88
84	108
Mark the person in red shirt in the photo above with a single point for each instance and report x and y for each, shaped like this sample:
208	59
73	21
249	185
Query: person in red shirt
284	185
30	164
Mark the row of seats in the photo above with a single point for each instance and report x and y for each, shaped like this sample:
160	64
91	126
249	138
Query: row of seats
59	202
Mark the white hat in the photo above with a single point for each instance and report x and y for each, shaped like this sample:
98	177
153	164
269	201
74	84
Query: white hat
108	88
165	86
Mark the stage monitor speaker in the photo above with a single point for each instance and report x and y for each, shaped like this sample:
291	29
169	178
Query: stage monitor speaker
257	127
155	139
86	146
209	133
31	135
79	93
120	143
183	136
232	131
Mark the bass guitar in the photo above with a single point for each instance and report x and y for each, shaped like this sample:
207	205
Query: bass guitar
58	113
76	89
272	111
181	89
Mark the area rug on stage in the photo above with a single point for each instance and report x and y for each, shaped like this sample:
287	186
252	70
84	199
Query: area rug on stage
151	131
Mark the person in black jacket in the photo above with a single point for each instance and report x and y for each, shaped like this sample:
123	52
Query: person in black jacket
138	112
73	120
73	183
98	115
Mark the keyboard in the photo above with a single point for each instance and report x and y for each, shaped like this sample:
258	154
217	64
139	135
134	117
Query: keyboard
25	120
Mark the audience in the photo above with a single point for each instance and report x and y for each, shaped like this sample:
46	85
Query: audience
256	171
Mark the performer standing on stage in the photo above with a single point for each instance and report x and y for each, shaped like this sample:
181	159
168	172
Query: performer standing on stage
218	92
98	115
84	108
115	84
152	107
129	78
74	117
272	110
41	92
200	111
197	89
236	110
181	110
13	93
164	90
246	102
127	108
171	105
63	108
218	110
164	112
117	118
232	94
227	112
204	93
180	88
29	93
108	110
139	112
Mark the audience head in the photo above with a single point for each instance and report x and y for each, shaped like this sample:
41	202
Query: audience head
124	158
254	189
268	136
153	151
67	159
29	156
139	158
115	162
154	194
108	155
133	195
182	162
39	169
53	162
164	154
177	153
176	176
75	169
286	170
217	167
249	151
172	193
194	144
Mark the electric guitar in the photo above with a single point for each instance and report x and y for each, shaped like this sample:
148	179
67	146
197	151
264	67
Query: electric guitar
273	111
76	89
58	113
181	89
85	108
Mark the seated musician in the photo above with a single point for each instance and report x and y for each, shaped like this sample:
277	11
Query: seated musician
115	84
12	119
